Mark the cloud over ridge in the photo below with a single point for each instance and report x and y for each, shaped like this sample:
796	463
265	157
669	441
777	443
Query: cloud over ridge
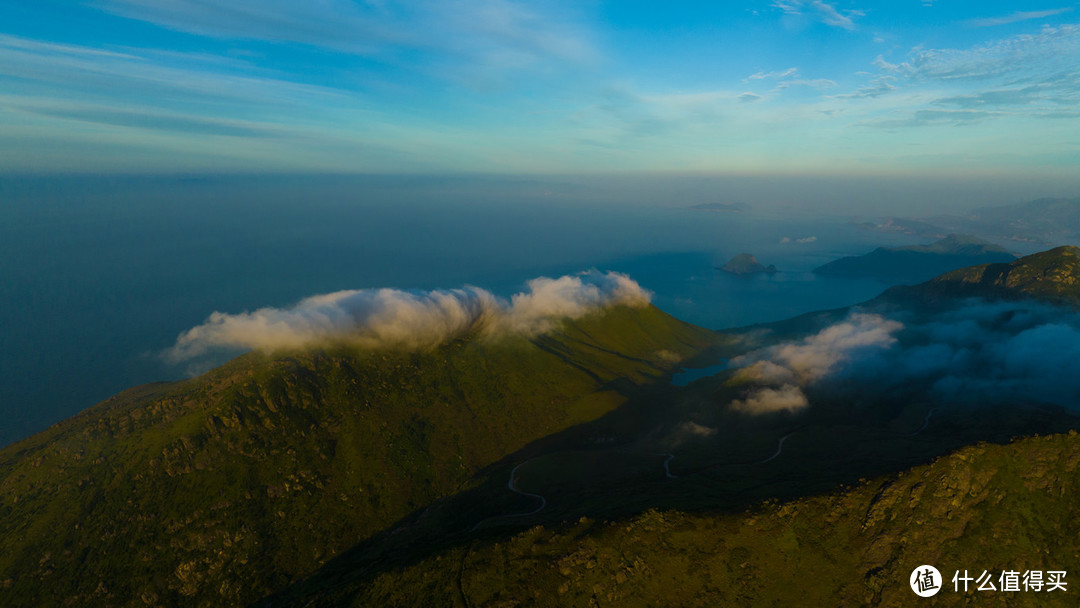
414	320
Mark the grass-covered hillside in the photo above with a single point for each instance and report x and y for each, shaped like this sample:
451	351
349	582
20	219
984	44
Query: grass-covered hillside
221	489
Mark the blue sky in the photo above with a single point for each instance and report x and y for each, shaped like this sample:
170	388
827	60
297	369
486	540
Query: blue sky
499	86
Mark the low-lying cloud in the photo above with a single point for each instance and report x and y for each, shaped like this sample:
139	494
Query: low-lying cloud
978	353
787	398
815	357
414	320
984	353
777	373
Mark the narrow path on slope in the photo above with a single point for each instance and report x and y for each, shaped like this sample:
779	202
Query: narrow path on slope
926	422
779	448
667	469
512	485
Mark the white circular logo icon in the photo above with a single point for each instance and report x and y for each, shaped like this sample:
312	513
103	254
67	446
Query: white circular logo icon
926	581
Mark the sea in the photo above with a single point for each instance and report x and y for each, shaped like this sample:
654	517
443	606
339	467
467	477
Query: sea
99	276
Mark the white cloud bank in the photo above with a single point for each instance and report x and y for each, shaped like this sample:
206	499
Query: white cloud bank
777	374
976	354
410	319
981	353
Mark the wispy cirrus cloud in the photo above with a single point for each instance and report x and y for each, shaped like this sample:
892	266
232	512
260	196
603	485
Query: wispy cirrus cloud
1017	17
925	118
469	35
337	23
78	70
773	74
822	12
38	46
875	88
499	85
1063	90
90	109
1052	48
814	83
884	65
964	86
789	78
141	118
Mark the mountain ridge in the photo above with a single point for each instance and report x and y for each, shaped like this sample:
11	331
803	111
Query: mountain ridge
230	485
1052	276
997	505
919	261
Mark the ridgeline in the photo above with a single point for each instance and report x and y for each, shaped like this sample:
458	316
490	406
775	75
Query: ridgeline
559	470
224	488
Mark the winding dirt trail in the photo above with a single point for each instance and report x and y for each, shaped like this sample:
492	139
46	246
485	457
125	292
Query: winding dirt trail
779	448
926	422
667	469
512	485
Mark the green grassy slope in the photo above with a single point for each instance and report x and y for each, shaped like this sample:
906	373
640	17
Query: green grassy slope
984	507
224	488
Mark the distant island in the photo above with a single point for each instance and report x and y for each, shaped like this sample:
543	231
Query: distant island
919	262
1046	221
746	264
901	225
721	207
